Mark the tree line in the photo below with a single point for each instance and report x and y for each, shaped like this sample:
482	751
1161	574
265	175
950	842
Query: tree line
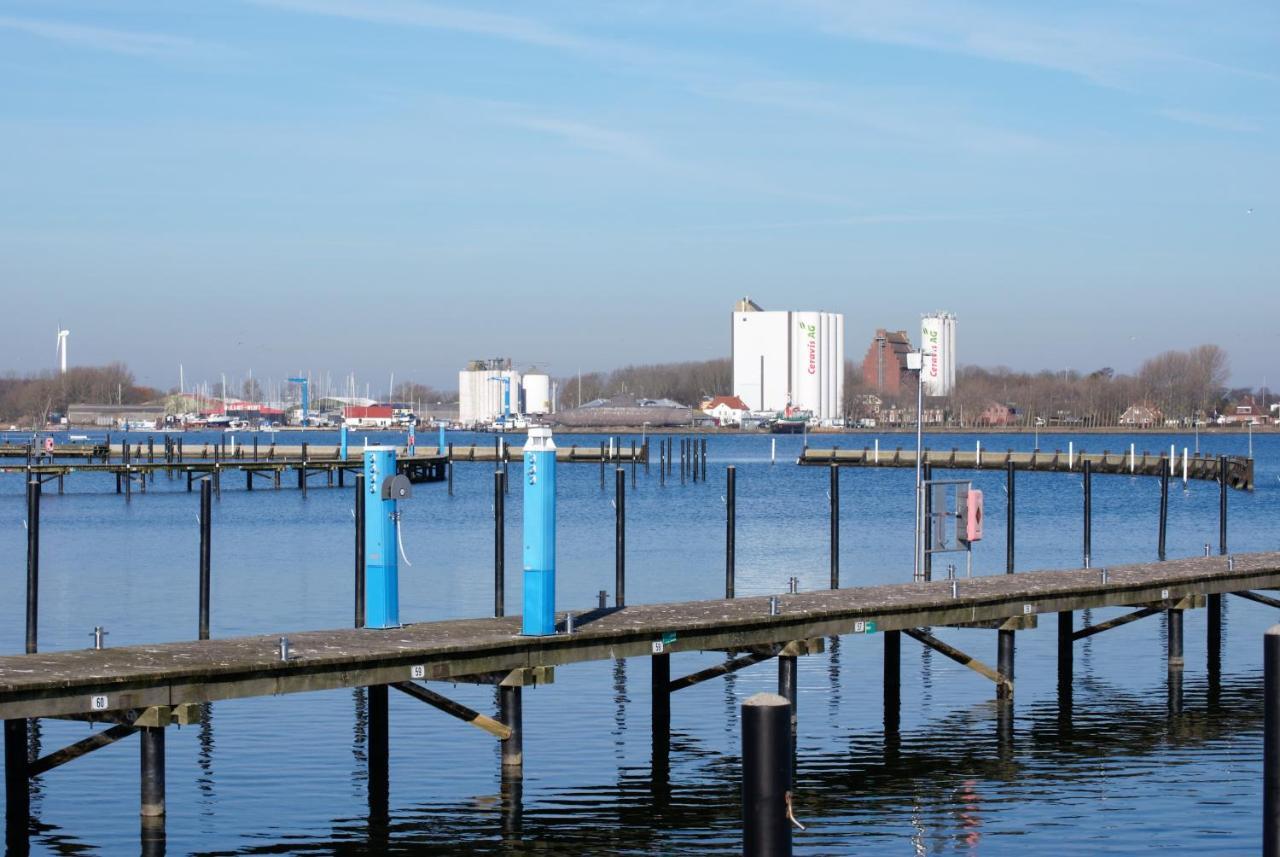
30	399
1179	385
1175	385
687	382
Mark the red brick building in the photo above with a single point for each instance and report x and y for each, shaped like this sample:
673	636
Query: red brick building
884	369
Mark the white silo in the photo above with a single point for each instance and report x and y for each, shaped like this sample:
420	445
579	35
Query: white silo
537	394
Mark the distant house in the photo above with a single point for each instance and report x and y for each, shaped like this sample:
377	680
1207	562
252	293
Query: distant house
725	410
368	416
1141	416
996	414
1245	411
115	415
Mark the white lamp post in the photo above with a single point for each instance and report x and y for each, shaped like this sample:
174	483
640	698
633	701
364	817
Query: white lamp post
915	363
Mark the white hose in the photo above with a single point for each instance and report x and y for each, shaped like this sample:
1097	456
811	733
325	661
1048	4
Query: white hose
400	544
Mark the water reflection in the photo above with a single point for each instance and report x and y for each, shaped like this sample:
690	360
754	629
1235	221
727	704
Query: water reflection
944	774
204	760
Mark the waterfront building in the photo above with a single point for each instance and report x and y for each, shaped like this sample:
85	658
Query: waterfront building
787	359
884	369
481	388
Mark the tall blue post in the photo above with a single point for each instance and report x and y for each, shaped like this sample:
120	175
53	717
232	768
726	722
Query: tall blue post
306	399
381	557
342	433
440	448
539	534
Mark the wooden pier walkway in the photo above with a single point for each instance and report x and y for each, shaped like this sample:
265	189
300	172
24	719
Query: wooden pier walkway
143	689
141	462
172	674
1239	470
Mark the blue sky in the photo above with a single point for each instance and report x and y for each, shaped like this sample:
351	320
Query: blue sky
402	186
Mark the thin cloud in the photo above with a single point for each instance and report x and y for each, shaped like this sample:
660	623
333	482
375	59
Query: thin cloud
1097	50
510	28
127	42
1215	121
585	135
884	219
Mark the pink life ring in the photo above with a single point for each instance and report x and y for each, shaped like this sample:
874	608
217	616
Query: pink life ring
48	444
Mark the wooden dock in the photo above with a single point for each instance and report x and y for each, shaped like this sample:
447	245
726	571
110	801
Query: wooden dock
173	674
1239	470
137	464
144	689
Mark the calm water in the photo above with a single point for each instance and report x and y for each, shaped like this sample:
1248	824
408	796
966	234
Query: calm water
284	775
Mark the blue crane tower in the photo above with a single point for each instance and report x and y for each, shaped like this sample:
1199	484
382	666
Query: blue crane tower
506	397
306	399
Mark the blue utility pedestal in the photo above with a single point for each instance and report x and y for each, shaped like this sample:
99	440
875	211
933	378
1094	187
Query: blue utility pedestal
381	557
342	433
539	617
440	446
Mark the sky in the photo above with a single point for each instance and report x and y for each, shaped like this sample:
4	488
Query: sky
379	186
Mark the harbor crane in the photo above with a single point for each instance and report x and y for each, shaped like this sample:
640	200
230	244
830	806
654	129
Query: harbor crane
506	397
306	399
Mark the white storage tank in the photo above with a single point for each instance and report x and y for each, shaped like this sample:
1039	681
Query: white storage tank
537	394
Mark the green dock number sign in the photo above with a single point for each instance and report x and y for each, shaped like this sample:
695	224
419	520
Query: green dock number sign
660	646
864	627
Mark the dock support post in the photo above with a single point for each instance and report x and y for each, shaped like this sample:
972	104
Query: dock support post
892	679
1271	743
188	481
378	750
511	713
1222	505
17	786
660	694
662	462
1004	664
603	455
118	484
730	527
787	690
620	535
152	743
704	459
1066	649
1010	516
766	777
499	544
633	465
835	526
1214	630
1175	639
1088	513
206	532
926	473
33	563
1164	507
449	463
359	582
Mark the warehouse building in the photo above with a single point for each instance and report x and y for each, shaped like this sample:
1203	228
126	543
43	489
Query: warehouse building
787	359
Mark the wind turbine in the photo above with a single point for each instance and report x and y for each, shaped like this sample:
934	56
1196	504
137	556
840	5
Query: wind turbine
61	349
